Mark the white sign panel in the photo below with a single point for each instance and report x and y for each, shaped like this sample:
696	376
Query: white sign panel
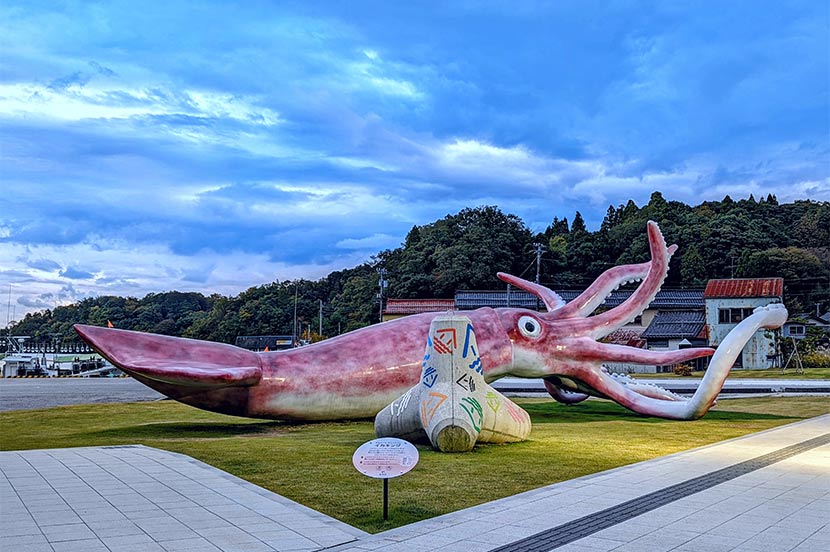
385	458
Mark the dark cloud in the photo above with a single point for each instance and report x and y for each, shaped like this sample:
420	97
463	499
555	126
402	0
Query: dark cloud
75	79
34	303
76	274
47	265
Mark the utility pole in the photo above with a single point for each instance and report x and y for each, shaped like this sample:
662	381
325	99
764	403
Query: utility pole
382	283
294	339
320	331
538	260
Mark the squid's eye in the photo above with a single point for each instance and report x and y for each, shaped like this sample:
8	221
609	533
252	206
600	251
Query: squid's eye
530	327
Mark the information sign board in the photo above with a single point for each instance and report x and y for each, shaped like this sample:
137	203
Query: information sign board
385	458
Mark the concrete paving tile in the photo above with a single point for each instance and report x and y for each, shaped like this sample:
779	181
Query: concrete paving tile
503	535
116	543
34	547
432	540
206	523
197	544
599	544
466	546
74	531
711	543
92	516
658	541
144	547
270	533
575	547
119	529
396	547
57	517
149	513
19	528
814	522
164	536
85	545
161	523
11	543
626	532
230	535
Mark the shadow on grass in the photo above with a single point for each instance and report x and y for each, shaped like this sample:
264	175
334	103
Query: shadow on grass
194	430
601	411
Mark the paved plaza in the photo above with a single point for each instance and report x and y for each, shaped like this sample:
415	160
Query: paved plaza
768	492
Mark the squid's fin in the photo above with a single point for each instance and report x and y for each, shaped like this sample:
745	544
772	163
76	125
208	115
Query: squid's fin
174	360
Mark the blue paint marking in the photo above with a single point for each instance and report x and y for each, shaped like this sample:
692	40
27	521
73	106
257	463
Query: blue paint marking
430	376
476	365
467	345
424	363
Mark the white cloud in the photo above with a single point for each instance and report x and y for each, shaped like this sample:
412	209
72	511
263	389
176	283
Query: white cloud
159	270
77	103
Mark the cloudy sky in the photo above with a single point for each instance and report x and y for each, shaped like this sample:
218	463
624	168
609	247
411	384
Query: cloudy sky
150	146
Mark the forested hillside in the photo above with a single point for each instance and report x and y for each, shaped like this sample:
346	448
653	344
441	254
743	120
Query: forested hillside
745	238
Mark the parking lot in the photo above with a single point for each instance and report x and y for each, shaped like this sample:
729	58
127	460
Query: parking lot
20	394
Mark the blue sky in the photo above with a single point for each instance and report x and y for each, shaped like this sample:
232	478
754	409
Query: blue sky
150	146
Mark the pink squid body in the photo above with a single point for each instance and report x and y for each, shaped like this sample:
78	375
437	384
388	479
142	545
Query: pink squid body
359	373
350	376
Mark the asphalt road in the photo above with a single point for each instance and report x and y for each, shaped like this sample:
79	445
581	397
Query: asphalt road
21	394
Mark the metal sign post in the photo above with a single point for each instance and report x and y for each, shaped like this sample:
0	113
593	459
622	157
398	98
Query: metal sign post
384	459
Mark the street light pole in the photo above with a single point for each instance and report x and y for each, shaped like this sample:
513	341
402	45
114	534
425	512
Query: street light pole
381	285
294	342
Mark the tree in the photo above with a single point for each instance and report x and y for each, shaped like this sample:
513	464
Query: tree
460	251
692	267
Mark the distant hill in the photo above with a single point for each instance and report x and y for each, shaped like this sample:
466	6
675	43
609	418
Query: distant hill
722	239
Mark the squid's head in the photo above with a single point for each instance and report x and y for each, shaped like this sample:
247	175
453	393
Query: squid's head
566	336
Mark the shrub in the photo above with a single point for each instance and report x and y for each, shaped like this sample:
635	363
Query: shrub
816	360
682	370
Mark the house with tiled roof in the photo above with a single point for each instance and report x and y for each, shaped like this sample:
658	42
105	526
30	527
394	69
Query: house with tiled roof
730	301
677	329
397	308
796	326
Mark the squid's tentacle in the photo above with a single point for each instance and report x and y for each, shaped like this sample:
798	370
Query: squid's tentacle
585	349
588	301
549	297
562	395
647	389
771	316
607	322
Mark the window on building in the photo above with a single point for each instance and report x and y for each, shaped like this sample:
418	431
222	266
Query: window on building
733	316
797	330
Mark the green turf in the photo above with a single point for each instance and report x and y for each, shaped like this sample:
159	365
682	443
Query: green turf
311	463
789	373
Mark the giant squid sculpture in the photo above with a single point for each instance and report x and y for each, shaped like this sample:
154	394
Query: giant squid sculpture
356	374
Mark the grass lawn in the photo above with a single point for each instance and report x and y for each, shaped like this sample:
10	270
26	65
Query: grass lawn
311	463
789	373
